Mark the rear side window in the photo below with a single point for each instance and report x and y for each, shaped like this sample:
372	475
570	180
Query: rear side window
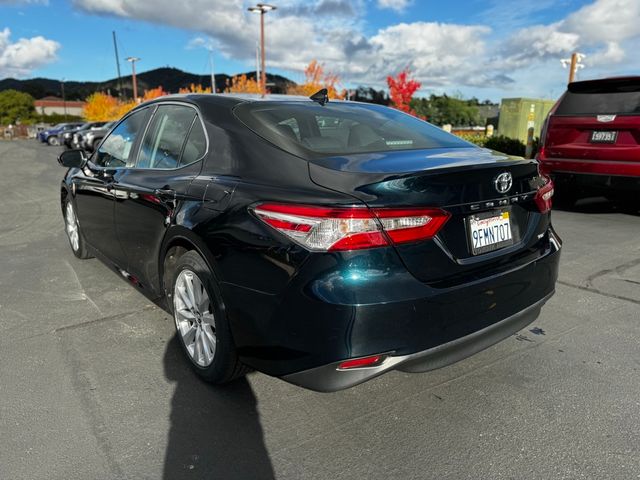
311	130
162	145
613	97
196	145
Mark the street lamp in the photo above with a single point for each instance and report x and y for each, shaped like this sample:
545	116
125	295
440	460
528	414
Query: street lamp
262	8
133	61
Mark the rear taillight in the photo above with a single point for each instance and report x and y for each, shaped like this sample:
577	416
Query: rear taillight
545	128
544	197
351	228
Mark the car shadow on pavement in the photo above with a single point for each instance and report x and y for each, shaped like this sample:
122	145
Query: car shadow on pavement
215	432
591	205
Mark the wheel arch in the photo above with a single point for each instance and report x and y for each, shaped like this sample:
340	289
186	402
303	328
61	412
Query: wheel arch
65	194
179	239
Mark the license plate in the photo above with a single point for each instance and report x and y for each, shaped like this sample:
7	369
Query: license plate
603	136
489	232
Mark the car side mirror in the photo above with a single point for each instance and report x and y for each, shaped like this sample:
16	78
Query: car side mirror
72	159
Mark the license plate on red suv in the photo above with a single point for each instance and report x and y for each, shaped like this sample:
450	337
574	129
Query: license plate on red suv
603	136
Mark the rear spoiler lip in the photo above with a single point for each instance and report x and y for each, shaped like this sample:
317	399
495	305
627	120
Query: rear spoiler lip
602	85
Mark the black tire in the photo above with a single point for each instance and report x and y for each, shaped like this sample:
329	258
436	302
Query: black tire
79	249
53	141
225	365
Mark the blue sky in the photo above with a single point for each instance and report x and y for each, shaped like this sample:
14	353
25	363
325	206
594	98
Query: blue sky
484	48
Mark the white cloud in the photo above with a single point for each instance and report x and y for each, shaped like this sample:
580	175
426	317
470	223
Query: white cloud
439	54
225	20
207	43
530	45
436	53
605	21
397	5
597	29
20	58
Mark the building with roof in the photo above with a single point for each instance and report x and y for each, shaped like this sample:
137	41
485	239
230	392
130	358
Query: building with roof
50	105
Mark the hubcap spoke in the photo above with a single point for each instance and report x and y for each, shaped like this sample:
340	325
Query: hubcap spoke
189	334
190	294
181	295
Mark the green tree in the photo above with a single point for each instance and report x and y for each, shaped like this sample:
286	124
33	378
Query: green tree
14	106
443	109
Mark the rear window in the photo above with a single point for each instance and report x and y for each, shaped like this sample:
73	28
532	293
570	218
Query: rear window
337	128
615	97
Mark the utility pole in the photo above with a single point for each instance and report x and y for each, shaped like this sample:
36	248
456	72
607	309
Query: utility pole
64	99
574	64
213	76
258	63
133	61
115	48
262	9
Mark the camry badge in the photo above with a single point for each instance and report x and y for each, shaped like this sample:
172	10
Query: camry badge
503	182
606	118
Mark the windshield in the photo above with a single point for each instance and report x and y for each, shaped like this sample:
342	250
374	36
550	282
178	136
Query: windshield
340	128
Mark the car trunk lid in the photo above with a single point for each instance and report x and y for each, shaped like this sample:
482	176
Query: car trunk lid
462	181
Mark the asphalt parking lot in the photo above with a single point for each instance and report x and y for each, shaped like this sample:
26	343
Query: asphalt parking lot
93	385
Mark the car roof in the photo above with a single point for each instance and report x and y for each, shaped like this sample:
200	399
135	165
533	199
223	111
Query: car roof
230	100
587	85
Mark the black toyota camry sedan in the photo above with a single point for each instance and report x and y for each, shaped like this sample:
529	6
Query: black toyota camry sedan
322	243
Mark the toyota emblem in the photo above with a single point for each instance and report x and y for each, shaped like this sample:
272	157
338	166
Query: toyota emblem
503	182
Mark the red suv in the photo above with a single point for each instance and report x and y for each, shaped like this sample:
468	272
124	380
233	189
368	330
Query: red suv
591	140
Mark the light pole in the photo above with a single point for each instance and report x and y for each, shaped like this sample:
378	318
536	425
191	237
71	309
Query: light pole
133	61
262	8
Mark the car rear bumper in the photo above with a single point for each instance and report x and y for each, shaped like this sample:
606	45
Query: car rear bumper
330	378
604	184
606	168
340	308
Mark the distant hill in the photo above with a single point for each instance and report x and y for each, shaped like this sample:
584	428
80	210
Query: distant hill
170	79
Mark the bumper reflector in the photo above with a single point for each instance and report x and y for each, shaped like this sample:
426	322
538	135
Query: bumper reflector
361	362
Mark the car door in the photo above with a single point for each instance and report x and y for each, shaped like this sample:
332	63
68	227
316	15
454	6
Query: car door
94	192
149	194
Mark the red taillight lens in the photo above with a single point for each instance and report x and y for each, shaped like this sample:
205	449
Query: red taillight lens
544	197
351	228
361	362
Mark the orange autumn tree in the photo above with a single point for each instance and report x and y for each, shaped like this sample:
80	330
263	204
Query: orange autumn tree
100	107
316	79
242	84
401	90
125	107
153	93
193	88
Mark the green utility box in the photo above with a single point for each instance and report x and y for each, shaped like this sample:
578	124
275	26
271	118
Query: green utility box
518	114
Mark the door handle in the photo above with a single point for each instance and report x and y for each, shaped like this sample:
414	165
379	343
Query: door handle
165	193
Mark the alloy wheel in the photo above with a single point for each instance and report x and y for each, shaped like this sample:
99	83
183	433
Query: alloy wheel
194	318
72	227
